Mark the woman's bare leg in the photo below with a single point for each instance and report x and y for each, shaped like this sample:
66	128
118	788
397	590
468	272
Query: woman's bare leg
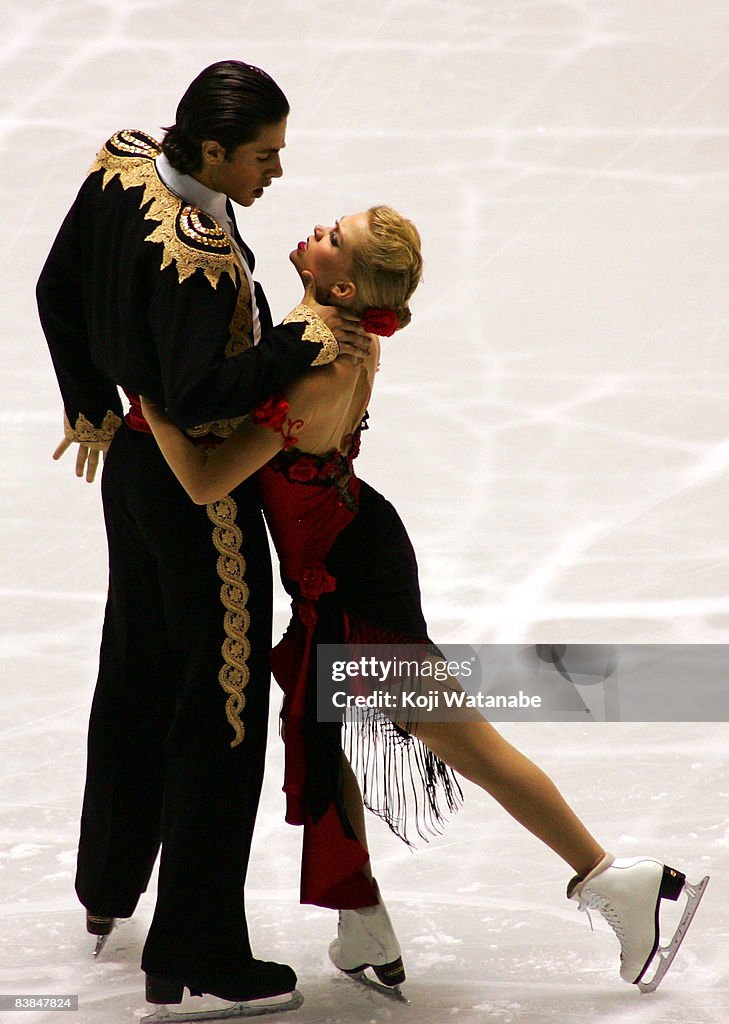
479	753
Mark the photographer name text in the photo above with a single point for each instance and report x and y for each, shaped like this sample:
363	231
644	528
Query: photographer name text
434	700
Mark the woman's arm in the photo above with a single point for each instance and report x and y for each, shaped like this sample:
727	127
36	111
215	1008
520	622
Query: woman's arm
212	474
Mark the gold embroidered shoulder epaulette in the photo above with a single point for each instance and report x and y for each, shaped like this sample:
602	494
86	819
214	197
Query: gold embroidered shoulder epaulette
190	238
317	331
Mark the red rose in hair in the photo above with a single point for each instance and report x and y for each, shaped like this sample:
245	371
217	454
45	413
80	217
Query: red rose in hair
303	470
383	322
271	413
315	581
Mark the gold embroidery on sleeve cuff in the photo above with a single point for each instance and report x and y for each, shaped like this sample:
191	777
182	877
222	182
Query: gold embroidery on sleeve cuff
218	428
84	432
234	674
316	330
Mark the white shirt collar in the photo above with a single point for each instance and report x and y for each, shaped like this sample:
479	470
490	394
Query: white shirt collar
194	192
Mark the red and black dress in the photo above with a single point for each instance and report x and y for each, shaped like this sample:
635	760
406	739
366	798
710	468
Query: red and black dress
349	566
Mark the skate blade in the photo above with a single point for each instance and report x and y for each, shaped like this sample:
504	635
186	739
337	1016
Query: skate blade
238	1011
393	992
666	954
101	937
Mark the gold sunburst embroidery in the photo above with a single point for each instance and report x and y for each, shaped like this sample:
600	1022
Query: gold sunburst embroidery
191	239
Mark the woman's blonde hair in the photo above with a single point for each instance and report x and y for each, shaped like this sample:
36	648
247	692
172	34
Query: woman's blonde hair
387	266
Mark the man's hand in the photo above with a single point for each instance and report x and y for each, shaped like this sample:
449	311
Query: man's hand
87	457
351	337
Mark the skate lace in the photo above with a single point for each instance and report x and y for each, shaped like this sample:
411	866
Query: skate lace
594	901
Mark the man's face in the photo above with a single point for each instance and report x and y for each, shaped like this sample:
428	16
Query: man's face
245	172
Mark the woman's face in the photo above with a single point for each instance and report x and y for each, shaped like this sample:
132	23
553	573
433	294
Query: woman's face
327	254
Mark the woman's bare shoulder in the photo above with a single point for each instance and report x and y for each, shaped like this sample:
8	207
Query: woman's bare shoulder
333	385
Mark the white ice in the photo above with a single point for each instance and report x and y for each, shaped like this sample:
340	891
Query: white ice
552	426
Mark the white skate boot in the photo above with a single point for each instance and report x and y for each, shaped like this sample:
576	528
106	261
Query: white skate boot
628	894
366	938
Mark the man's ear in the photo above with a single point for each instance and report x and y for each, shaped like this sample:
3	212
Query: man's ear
212	152
343	292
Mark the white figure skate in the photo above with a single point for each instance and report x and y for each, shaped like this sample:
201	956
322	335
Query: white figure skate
366	938
628	894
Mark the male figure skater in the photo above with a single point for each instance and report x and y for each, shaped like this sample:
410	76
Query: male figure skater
148	287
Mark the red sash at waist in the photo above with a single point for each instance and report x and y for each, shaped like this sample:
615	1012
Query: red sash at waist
134	418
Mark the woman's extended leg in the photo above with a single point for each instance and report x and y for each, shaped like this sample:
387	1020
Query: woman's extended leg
627	892
479	753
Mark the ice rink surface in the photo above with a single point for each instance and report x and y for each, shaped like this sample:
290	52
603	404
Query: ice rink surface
552	427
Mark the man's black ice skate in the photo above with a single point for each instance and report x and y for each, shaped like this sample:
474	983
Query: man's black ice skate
262	988
101	926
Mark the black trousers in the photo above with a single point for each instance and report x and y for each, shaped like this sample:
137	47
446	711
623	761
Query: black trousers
161	767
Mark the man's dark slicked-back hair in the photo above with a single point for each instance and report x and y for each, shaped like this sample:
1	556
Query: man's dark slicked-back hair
229	102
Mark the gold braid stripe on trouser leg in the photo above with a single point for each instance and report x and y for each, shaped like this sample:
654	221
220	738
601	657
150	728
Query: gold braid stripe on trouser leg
234	674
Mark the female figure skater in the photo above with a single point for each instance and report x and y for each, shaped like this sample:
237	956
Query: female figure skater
350	569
